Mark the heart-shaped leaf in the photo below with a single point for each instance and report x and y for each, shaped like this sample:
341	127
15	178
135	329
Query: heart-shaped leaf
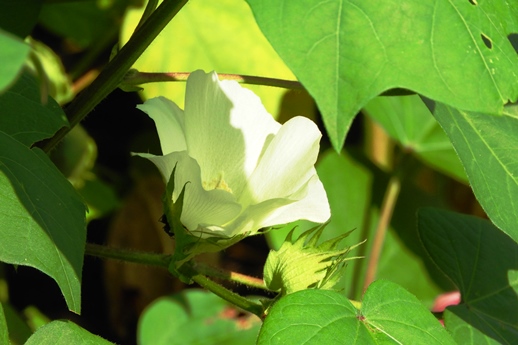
346	52
389	315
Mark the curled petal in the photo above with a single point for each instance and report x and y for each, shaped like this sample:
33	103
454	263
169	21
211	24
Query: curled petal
169	122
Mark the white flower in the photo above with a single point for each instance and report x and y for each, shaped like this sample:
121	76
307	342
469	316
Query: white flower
244	171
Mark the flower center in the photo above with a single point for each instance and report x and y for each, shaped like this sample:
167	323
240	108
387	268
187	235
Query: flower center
217	183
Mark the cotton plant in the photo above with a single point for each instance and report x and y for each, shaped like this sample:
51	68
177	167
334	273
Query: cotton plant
232	170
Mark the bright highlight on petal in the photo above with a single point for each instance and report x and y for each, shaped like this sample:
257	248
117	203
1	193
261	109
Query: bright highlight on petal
241	169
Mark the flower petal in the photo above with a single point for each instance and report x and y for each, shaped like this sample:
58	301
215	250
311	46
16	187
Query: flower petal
226	128
312	205
202	209
309	203
287	164
253	218
169	122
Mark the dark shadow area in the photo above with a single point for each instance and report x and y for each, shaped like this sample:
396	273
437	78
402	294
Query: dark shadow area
513	39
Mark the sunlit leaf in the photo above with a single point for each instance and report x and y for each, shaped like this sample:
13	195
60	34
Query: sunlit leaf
209	35
389	315
346	52
42	218
195	317
483	263
65	333
487	147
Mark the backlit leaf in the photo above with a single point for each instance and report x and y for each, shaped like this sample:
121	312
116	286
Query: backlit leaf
346	52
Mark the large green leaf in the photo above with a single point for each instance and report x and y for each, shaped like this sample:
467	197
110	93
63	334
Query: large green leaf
346	52
389	315
488	148
195	317
65	333
408	120
13	54
483	263
211	35
25	117
42	218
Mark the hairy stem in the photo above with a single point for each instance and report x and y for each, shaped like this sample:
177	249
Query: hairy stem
229	296
193	271
230	276
114	72
151	259
138	78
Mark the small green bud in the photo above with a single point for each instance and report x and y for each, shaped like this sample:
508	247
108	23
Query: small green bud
301	264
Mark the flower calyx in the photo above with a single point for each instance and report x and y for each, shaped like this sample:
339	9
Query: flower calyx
301	264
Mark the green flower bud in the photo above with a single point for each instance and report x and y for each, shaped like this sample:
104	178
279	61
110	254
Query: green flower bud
301	264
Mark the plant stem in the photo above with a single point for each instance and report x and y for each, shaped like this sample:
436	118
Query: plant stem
139	78
150	8
162	260
387	208
151	259
229	296
114	72
230	276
